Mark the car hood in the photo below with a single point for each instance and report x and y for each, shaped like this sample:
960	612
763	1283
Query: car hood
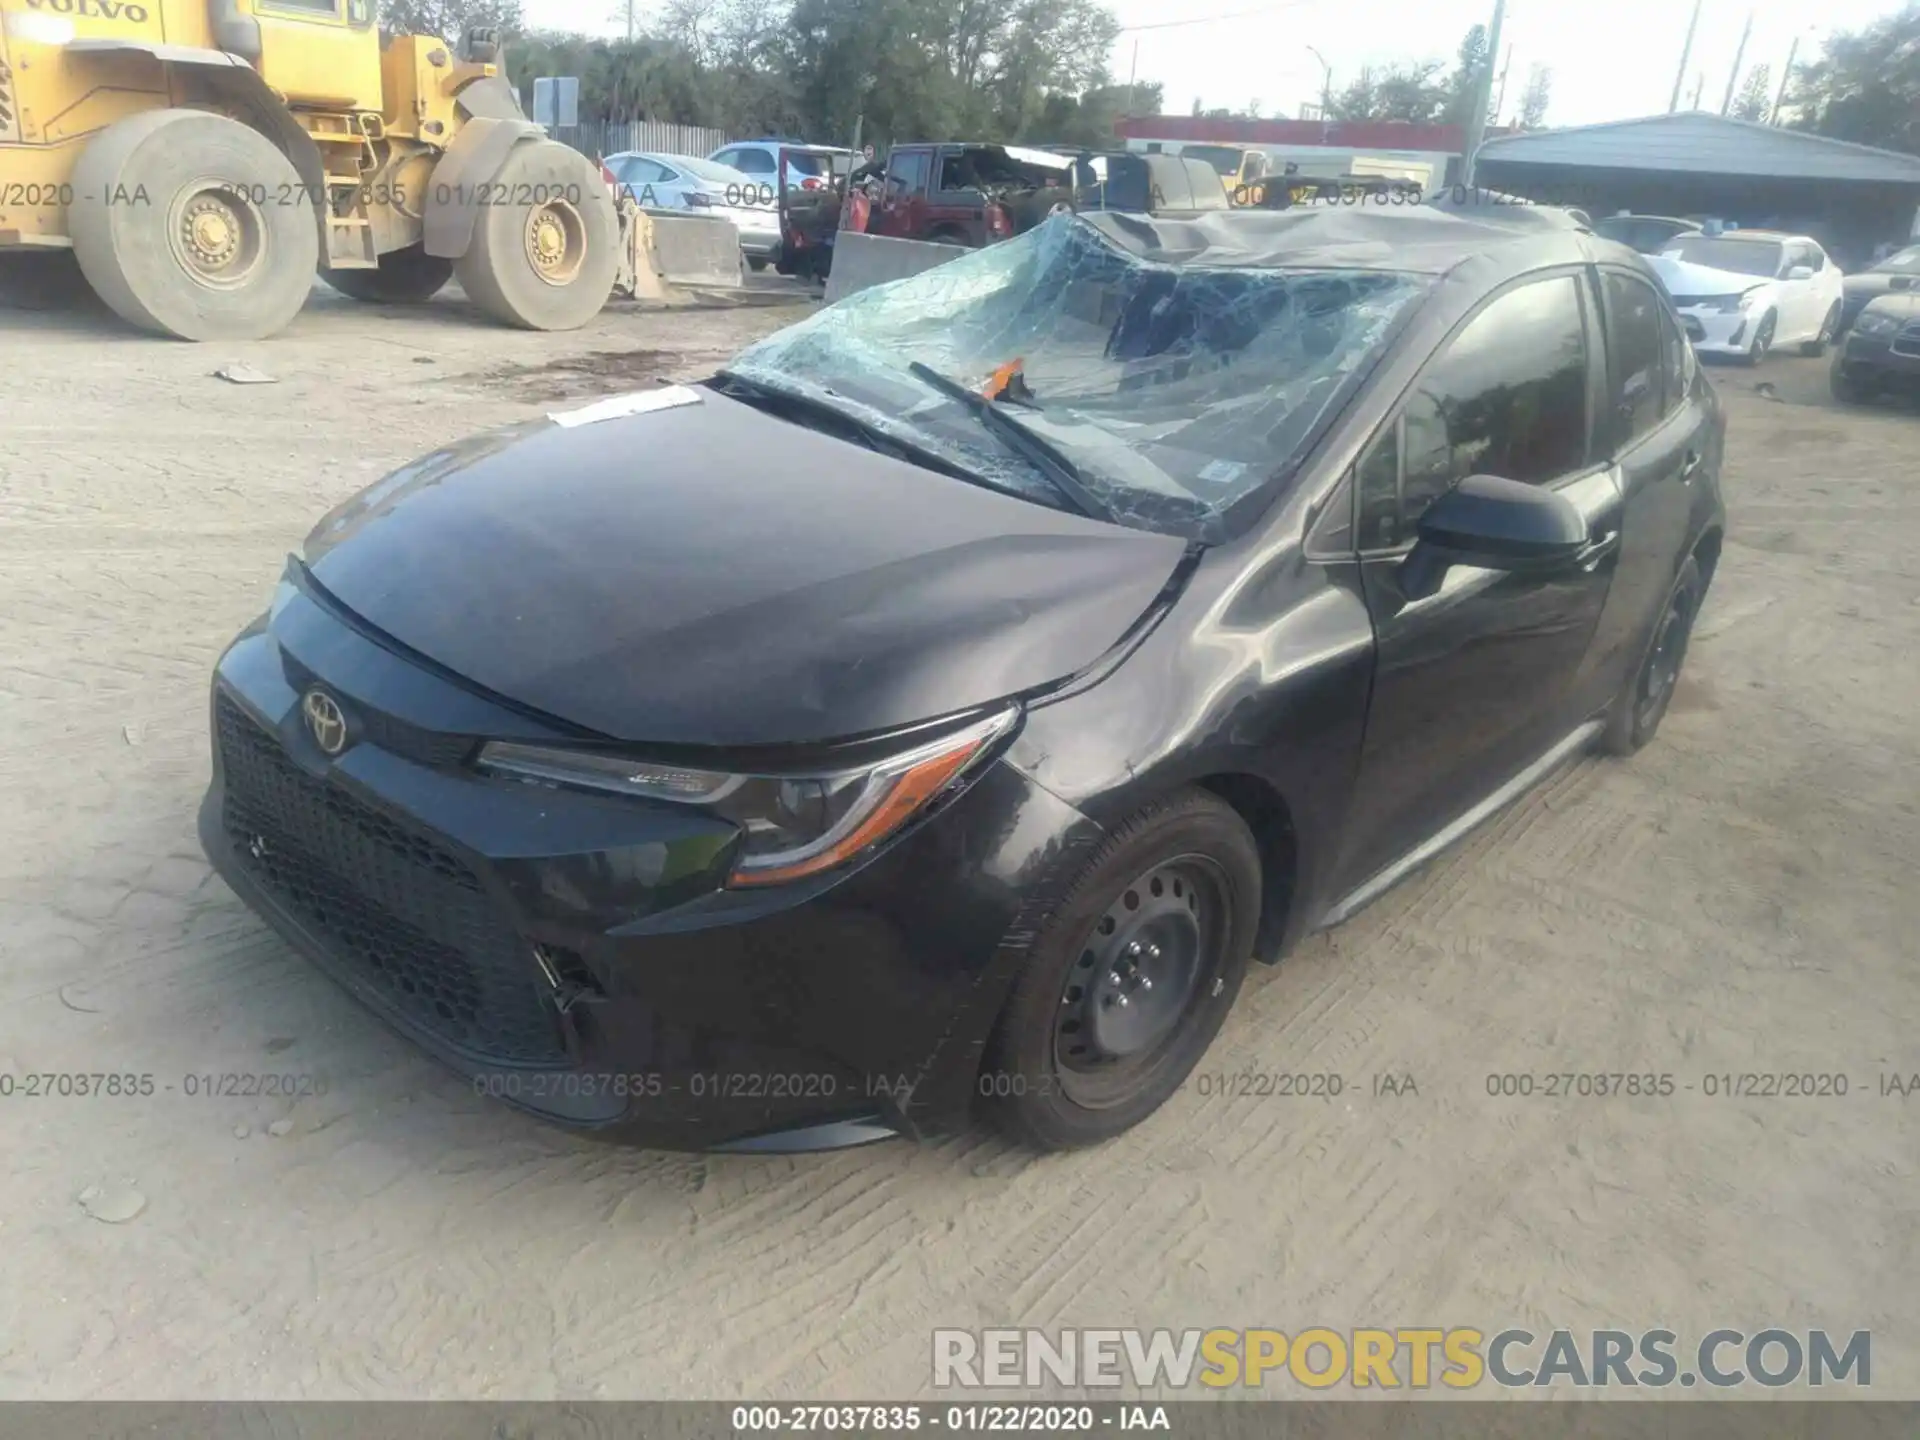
1682	278
707	574
1877	282
1900	305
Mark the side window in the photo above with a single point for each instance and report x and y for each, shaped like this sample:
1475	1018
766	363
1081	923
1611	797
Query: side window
1817	258
1679	360
907	171
1636	344
754	161
642	172
1507	396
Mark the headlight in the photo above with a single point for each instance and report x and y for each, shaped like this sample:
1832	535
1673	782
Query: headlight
795	824
1724	304
1875	322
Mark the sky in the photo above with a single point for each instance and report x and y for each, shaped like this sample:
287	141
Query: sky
1611	59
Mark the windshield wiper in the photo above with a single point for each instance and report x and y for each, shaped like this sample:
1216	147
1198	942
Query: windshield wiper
1046	457
883	441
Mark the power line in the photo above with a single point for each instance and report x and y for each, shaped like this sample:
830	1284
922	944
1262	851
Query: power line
1210	19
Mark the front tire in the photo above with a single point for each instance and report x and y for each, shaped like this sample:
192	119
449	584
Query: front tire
1130	978
404	277
1818	345
1762	340
191	225
545	261
1643	703
1846	389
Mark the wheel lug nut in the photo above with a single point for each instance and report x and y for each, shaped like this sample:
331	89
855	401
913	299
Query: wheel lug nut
1145	984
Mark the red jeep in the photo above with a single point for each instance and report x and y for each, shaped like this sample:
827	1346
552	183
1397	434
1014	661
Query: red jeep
966	195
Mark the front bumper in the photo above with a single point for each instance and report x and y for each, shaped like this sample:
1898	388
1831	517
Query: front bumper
1880	359
1715	332
569	954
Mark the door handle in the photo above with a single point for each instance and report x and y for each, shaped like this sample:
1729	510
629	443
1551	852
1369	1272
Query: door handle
1693	464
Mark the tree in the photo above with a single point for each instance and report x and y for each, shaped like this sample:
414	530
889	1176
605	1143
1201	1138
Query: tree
1538	95
1756	95
1866	85
449	19
1473	62
1421	92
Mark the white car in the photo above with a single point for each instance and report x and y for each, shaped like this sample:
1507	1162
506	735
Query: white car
1745	292
673	183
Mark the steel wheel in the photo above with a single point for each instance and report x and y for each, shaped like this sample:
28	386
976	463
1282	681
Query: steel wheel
556	241
217	234
1130	976
1642	703
1159	945
1662	670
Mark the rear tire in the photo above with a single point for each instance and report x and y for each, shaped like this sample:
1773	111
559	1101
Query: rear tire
405	277
191	225
1130	977
756	265
1818	345
1642	704
546	265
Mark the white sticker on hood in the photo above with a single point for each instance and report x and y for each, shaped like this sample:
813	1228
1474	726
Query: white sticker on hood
637	403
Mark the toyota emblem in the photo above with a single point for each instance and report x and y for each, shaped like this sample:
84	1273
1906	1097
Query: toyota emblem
325	721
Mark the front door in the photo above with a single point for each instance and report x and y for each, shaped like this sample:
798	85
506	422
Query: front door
1474	681
903	200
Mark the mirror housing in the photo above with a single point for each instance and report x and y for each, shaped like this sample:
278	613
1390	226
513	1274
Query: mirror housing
1500	524
1800	272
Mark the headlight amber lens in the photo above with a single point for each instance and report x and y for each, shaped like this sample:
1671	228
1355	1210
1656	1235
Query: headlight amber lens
793	825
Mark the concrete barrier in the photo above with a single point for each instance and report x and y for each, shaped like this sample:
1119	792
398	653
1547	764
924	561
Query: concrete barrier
863	261
696	250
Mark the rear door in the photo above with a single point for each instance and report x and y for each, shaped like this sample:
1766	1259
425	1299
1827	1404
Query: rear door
1656	427
1474	682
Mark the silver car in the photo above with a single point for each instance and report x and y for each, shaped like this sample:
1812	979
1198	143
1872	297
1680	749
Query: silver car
702	187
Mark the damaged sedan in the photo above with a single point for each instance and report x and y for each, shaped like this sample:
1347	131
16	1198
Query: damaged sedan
935	712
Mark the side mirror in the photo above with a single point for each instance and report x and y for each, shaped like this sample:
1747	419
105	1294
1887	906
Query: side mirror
1800	272
1501	524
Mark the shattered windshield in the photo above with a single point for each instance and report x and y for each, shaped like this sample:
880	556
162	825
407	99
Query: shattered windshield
1154	395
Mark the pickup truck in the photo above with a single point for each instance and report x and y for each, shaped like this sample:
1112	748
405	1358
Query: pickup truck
973	195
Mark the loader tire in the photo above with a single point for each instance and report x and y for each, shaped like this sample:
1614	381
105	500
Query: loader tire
405	277
194	226
543	255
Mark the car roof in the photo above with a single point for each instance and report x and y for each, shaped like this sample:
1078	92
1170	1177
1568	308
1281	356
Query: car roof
1419	239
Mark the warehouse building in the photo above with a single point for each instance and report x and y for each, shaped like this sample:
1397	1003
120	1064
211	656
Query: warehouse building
1851	198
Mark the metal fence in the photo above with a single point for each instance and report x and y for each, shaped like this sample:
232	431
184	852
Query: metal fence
599	138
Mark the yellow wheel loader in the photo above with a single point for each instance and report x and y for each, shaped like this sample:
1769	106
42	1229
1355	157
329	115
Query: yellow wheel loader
203	158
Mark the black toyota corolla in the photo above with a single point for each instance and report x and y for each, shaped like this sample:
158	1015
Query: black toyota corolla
936	710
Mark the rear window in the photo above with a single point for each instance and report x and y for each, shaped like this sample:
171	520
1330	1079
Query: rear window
1742	257
1902	262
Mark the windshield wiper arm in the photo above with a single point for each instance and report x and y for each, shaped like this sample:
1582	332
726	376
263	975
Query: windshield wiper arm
1046	457
884	441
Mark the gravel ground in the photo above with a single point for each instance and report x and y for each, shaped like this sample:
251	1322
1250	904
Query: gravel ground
1737	899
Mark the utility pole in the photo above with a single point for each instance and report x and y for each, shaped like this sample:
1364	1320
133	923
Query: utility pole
1500	95
1326	84
1484	98
1699	84
1733	76
1773	115
629	22
1133	72
1686	53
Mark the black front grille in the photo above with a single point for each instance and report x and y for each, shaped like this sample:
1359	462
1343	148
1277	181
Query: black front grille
394	908
397	737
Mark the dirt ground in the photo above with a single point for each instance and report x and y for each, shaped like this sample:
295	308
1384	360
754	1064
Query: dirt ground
1737	899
